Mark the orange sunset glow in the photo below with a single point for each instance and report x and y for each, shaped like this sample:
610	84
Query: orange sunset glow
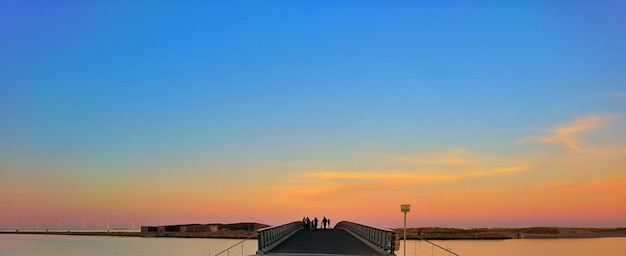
486	115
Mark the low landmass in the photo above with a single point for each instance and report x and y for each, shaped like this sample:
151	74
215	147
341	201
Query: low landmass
216	230
73	233
249	230
436	233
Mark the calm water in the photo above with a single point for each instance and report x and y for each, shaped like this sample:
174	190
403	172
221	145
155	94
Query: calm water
57	245
523	247
53	245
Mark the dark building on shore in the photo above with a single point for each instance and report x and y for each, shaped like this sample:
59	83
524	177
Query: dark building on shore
203	230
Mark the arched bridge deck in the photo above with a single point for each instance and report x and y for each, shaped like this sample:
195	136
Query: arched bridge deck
346	238
325	241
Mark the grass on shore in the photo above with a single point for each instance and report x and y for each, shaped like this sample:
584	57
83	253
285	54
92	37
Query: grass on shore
460	232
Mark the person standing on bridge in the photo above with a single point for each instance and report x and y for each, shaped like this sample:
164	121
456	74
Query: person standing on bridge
315	223
324	222
328	222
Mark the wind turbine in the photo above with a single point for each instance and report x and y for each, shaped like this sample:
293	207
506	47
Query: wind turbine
108	222
84	220
132	222
60	223
38	220
16	222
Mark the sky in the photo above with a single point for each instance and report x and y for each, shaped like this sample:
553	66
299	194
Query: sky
476	113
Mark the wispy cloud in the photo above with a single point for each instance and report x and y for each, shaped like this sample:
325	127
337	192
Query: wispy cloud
370	143
394	172
316	184
618	94
280	163
493	172
338	189
412	177
568	135
357	175
616	183
456	157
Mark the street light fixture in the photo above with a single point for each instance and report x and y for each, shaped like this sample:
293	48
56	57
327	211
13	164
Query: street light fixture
405	208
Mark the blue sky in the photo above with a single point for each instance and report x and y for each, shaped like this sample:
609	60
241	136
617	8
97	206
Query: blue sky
221	87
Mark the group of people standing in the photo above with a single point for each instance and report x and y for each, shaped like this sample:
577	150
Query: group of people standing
312	224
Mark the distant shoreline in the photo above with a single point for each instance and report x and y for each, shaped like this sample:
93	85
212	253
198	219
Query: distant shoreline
74	233
220	234
429	233
435	233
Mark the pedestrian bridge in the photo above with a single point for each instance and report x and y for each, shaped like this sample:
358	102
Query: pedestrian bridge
347	238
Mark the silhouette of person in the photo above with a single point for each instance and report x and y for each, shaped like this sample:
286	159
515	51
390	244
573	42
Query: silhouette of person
328	222
304	222
315	223
308	223
324	222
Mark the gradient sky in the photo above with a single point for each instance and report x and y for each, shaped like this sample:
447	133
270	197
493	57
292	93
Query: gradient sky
478	114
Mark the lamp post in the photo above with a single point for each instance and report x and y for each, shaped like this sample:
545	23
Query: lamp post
405	208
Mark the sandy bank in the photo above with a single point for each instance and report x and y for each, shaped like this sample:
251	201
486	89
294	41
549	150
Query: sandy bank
434	233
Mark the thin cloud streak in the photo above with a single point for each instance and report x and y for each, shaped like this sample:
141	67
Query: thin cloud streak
357	175
280	163
457	157
568	135
412	176
603	184
335	189
619	94
370	143
324	183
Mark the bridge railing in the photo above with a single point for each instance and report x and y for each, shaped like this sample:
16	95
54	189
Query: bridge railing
270	237
382	238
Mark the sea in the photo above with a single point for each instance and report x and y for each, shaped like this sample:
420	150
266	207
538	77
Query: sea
62	245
